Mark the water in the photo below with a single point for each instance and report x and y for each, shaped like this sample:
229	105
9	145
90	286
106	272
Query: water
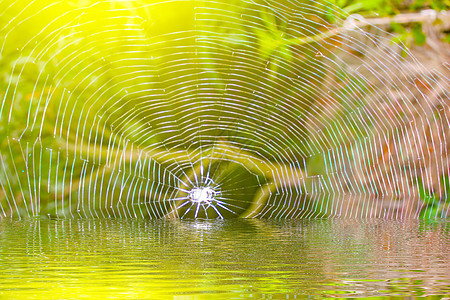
230	259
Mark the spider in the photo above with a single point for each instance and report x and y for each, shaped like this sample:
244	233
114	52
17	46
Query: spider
202	195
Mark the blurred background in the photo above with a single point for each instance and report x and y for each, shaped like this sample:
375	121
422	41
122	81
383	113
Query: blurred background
283	109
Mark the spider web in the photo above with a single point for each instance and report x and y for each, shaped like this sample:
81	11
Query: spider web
215	109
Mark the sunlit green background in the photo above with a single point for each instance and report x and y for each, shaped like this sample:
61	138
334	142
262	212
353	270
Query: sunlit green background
94	92
106	104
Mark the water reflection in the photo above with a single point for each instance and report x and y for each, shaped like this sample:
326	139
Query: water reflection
231	258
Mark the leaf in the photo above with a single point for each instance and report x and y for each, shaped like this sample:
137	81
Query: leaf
427	197
417	4
373	4
269	21
267	44
446	38
399	28
418	35
446	185
429	212
439	5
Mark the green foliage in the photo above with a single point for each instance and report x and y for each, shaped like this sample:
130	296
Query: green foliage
408	34
446	38
418	35
433	4
382	8
433	205
404	33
